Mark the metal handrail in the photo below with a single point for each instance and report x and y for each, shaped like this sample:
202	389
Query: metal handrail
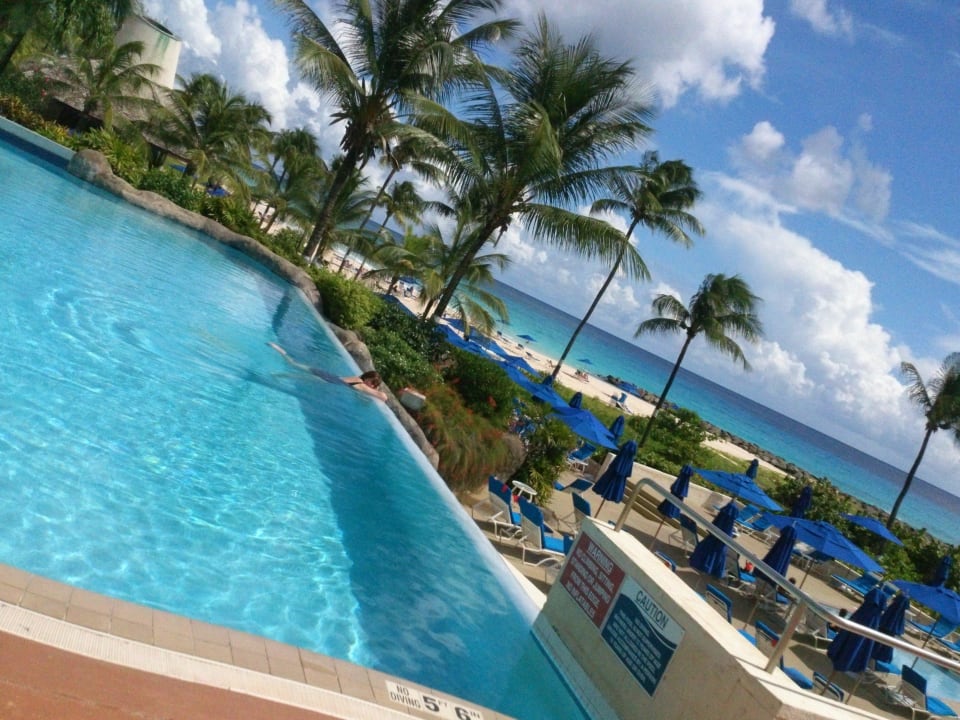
801	600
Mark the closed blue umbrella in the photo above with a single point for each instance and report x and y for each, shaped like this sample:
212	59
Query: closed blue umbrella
679	489
778	557
874	526
710	554
942	573
802	503
892	622
577	400
616	427
850	652
613	481
753	469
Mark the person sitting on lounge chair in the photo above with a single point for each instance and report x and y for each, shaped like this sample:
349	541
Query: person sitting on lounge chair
368	382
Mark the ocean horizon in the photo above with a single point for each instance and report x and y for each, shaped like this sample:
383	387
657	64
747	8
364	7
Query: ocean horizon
854	472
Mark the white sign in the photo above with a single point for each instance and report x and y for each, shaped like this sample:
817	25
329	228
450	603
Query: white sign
426	703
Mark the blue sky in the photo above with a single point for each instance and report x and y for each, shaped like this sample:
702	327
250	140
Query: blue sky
824	135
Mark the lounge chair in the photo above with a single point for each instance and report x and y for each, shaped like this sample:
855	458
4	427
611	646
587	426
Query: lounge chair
498	508
939	629
687	534
766	641
950	645
760	527
666	560
720	602
579	458
859	586
912	694
581	510
534	537
577	486
822	686
620	402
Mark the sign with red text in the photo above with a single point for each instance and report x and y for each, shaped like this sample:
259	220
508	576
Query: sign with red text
592	578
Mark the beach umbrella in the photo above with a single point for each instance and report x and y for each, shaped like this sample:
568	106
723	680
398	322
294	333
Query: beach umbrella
616	427
802	503
778	556
874	526
753	469
739	485
940	599
679	489
892	622
710	554
942	573
544	392
528	338
850	652
827	540
613	481
577	400
520	363
585	424
585	361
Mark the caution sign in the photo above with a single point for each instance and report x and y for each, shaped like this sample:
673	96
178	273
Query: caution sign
641	634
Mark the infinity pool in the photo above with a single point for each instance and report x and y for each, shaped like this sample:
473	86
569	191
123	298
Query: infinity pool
153	448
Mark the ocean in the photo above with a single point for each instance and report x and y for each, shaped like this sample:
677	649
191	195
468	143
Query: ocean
852	471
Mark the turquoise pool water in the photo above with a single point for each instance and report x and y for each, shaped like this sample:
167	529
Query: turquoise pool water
153	448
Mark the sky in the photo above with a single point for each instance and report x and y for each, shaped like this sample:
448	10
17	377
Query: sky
824	136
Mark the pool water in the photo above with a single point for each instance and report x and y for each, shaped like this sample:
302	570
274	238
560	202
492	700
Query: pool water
154	448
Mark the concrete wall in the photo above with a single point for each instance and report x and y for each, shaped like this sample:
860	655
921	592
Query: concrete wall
160	46
713	672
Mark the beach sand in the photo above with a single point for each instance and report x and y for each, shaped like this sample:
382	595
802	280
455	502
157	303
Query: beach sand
592	385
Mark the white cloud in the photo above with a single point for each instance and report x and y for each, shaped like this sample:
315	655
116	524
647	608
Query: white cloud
188	20
712	47
824	20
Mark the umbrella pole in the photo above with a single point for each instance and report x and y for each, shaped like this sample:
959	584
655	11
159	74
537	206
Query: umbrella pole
925	641
855	686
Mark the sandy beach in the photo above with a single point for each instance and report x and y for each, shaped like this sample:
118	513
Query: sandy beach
592	385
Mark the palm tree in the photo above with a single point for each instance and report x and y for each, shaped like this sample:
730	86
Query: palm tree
721	306
392	52
295	170
214	129
403	202
92	20
112	80
535	148
940	401
657	195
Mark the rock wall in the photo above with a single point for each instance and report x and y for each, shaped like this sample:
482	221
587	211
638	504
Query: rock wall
93	167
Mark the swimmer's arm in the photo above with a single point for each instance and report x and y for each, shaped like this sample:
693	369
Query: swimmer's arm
360	386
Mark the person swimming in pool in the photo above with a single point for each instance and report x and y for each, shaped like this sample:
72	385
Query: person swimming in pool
369	382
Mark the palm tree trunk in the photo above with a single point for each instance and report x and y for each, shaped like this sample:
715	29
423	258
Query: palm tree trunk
666	389
319	238
10	51
593	306
480	239
909	480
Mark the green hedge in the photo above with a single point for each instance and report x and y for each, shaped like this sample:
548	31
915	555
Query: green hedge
346	303
484	386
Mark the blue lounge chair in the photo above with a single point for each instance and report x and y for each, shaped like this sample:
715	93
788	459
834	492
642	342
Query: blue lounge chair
534	537
766	641
666	560
859	586
950	645
913	686
716	599
687	534
939	629
578	458
822	685
499	509
577	486
581	510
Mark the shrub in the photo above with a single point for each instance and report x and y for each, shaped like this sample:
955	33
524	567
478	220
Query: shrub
286	243
30	90
127	160
231	212
675	439
484	386
470	447
398	364
547	448
346	303
174	186
421	335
